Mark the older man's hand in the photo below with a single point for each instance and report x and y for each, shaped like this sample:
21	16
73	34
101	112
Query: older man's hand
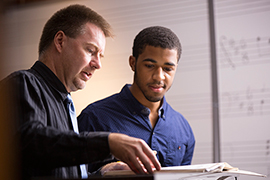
134	152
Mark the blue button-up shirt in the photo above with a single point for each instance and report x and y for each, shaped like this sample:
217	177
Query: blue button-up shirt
172	136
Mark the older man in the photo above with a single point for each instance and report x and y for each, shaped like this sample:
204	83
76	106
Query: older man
70	49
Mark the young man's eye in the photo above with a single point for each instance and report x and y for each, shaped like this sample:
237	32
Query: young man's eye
149	65
168	69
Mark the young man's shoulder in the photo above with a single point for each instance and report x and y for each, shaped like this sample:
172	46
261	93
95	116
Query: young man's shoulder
102	104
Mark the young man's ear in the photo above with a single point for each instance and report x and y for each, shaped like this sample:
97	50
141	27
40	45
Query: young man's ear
132	62
59	40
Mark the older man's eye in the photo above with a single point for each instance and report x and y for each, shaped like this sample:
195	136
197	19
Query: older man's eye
90	51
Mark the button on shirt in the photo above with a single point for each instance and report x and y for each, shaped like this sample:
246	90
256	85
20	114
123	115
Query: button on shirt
172	136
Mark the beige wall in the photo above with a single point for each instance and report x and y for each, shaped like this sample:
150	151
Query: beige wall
8	155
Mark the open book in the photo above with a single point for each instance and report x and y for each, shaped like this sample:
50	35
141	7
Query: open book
199	169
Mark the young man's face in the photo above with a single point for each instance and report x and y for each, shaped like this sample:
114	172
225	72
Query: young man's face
154	72
81	57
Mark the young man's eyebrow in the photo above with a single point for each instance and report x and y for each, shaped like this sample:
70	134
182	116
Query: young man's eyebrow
150	60
154	61
169	64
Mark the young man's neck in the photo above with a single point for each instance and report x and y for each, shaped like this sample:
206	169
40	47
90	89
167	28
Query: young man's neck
153	106
136	92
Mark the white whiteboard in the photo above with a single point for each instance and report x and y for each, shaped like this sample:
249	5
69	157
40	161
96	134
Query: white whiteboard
243	46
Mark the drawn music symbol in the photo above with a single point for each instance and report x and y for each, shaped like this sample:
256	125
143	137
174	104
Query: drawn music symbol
263	46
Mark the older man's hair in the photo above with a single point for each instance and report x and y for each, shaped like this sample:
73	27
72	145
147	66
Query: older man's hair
71	20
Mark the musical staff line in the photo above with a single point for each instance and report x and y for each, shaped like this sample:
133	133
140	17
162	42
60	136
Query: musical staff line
234	53
247	153
232	8
161	12
195	57
250	102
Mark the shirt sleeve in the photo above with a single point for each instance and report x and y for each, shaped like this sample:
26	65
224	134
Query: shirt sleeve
43	144
189	150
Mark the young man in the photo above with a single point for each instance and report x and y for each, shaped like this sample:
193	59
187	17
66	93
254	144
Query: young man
140	109
70	48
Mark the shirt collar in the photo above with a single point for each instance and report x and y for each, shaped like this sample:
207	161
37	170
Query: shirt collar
161	110
50	78
135	106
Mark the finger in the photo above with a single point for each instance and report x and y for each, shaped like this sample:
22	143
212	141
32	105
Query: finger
121	166
155	162
152	156
142	165
135	166
132	167
146	163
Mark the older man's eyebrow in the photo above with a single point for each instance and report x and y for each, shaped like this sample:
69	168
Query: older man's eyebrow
97	49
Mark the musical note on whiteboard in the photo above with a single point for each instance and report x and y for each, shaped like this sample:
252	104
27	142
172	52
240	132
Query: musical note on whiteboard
233	50
249	102
263	45
243	51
